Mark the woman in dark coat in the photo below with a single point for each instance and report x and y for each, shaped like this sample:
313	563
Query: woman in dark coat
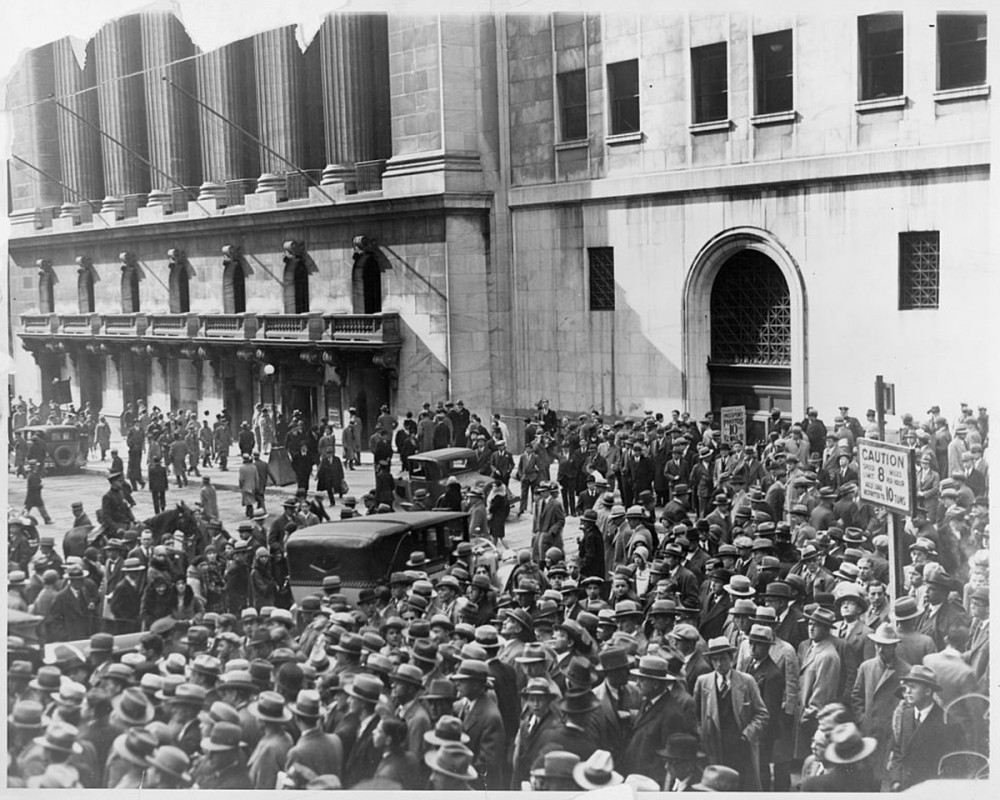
451	500
497	509
263	589
330	477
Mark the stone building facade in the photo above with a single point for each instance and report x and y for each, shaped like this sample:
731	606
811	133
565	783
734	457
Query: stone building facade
613	211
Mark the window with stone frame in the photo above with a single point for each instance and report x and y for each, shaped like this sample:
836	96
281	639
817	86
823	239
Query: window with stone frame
772	56
602	278
710	77
961	49
919	270
572	88
880	51
46	295
623	93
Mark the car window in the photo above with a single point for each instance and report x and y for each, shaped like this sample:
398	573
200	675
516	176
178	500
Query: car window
432	541
418	469
457	465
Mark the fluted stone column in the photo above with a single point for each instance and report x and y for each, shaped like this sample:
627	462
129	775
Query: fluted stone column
79	143
278	67
33	117
122	102
227	85
171	116
350	90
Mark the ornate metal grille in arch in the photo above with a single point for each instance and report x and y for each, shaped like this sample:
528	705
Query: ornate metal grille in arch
751	313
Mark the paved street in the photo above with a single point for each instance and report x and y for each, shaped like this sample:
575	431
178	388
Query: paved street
61	490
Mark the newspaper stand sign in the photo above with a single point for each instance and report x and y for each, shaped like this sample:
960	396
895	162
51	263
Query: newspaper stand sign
886	475
734	424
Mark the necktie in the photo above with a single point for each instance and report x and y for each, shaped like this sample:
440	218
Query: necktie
532	724
724	687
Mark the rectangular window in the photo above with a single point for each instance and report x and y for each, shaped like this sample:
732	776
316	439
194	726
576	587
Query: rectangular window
919	270
772	56
961	50
880	47
572	88
602	278
623	89
710	73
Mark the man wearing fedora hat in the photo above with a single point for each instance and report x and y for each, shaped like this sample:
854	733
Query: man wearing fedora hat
398	764
269	756
682	755
169	768
223	765
731	714
849	760
666	708
73	614
451	768
819	675
539	723
920	735
940	613
126	764
553	772
483	723
407	682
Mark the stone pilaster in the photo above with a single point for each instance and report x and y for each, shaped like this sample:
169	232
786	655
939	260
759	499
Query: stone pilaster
226	85
171	116
278	68
354	53
79	143
122	103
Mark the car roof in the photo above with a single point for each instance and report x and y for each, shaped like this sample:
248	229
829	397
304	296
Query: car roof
47	428
360	531
445	454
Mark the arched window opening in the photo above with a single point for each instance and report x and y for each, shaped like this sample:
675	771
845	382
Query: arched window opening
130	290
296	284
85	291
46	295
367	284
180	291
234	289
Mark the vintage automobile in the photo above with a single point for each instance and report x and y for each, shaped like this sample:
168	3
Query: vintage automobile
430	470
365	551
62	445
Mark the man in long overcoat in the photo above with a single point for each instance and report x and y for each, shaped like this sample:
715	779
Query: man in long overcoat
819	676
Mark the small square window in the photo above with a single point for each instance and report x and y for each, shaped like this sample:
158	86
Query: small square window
572	88
623	91
602	278
880	48
961	50
709	71
772	55
919	270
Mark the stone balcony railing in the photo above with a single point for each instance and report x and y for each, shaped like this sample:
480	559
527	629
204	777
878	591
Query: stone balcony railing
316	327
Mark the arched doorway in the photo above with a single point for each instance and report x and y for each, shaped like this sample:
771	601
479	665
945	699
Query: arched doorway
180	290
296	284
234	289
367	285
85	291
130	290
744	338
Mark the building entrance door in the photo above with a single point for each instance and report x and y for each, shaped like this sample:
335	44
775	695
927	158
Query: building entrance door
367	390
751	330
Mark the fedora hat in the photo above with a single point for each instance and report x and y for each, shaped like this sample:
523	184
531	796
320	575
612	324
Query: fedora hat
625	609
557	764
920	674
238	679
70	695
744	606
425	650
307	704
366	688
225	736
739	586
48	680
823	616
718	646
940	578
538	686
764	615
378	664
220	712
26	715
61	737
350	643
597	771
447	730
472	670
533	653
453	759
522	617
885	634
578	702
440	689
270	707
613	658
848	746
135	746
681	746
133	707
653	667
717	778
173	761
408	673
761	634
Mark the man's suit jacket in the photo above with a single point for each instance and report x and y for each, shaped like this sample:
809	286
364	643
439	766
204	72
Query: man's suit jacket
978	655
418	722
843	778
364	757
672	712
322	752
552	518
748	708
819	682
852	652
527	745
713	615
401	767
771	684
937	626
696	667
916	751
584	502
487	740
124	606
69	618
792	628
639	474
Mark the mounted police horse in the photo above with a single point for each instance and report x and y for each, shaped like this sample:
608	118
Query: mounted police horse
163	525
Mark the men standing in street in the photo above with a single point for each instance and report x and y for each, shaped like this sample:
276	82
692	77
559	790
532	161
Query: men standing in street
248	478
158	482
72	615
33	496
819	675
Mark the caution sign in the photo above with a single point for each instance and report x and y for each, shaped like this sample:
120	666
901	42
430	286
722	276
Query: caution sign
734	424
886	475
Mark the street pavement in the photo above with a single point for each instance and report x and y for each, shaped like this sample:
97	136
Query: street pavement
89	484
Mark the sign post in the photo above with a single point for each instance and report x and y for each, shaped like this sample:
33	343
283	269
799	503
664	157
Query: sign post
734	424
887	478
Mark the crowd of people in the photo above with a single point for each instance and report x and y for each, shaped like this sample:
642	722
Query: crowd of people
727	618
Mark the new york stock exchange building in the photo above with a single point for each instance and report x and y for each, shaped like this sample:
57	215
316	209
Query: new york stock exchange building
685	209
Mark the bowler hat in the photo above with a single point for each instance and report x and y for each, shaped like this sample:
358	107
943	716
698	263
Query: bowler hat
681	746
